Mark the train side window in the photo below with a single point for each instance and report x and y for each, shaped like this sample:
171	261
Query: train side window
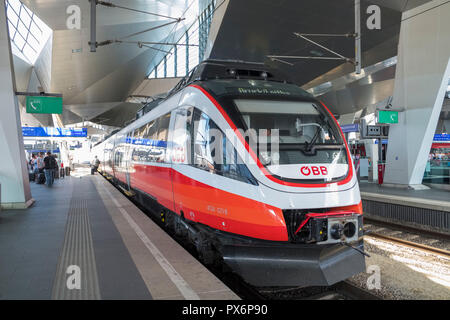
156	139
213	151
182	133
163	127
151	130
233	167
206	138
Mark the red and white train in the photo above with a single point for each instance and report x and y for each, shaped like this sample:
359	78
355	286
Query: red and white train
289	215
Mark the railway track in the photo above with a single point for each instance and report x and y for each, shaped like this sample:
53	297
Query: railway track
396	226
408	243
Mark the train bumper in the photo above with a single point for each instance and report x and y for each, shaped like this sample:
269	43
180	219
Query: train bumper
294	265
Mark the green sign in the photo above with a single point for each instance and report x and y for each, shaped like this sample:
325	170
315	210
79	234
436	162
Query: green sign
387	116
44	105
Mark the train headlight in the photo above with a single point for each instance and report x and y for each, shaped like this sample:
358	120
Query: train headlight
337	230
349	229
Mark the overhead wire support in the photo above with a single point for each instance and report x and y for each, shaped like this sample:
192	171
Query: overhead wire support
357	61
94	44
153	28
346	35
112	5
144	43
321	46
278	58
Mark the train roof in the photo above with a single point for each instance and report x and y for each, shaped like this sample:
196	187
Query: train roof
235	78
241	78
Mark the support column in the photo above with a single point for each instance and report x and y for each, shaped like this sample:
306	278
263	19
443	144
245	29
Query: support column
15	187
372	153
421	79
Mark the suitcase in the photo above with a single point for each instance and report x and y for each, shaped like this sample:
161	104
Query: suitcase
31	176
41	178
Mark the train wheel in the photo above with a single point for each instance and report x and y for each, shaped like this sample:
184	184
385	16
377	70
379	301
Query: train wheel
204	249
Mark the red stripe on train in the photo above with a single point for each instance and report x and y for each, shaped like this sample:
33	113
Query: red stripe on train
204	204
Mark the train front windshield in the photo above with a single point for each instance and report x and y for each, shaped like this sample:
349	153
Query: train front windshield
291	134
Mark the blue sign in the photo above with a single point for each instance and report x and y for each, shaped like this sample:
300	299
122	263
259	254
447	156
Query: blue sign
350	128
384	141
442	137
54	132
36	151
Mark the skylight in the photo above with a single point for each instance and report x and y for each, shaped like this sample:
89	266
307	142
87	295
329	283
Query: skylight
27	32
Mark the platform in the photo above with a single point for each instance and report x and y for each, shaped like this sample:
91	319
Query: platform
424	209
83	221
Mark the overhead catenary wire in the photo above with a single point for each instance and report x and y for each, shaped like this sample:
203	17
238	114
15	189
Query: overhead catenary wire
112	5
151	29
145	44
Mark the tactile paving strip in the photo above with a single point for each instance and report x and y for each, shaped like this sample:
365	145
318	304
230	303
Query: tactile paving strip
76	276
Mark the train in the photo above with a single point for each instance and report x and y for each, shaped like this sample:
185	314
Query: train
248	168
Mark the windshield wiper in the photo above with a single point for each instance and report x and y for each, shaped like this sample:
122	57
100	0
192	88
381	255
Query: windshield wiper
309	146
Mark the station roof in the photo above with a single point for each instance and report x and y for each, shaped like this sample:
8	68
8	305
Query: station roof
95	83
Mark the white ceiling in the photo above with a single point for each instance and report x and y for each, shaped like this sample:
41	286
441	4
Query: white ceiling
90	80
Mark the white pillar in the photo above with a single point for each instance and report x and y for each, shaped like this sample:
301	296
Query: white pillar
372	153
421	79
15	187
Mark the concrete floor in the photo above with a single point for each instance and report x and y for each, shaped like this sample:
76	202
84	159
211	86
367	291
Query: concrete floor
431	194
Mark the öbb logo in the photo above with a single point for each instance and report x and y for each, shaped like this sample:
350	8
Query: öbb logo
314	170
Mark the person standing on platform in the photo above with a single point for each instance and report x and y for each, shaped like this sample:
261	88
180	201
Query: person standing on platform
49	168
95	165
36	164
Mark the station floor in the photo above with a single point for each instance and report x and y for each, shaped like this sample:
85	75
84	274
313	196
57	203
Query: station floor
430	194
83	239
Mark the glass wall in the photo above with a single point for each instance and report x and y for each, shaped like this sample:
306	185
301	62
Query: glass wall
190	48
437	170
27	32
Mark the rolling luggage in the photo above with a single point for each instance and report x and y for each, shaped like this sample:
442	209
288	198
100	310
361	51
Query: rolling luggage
41	178
31	176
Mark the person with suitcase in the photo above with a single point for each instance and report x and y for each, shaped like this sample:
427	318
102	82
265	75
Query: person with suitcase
31	168
49	168
61	171
39	168
95	165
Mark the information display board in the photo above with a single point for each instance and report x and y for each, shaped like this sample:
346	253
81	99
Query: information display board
54	132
